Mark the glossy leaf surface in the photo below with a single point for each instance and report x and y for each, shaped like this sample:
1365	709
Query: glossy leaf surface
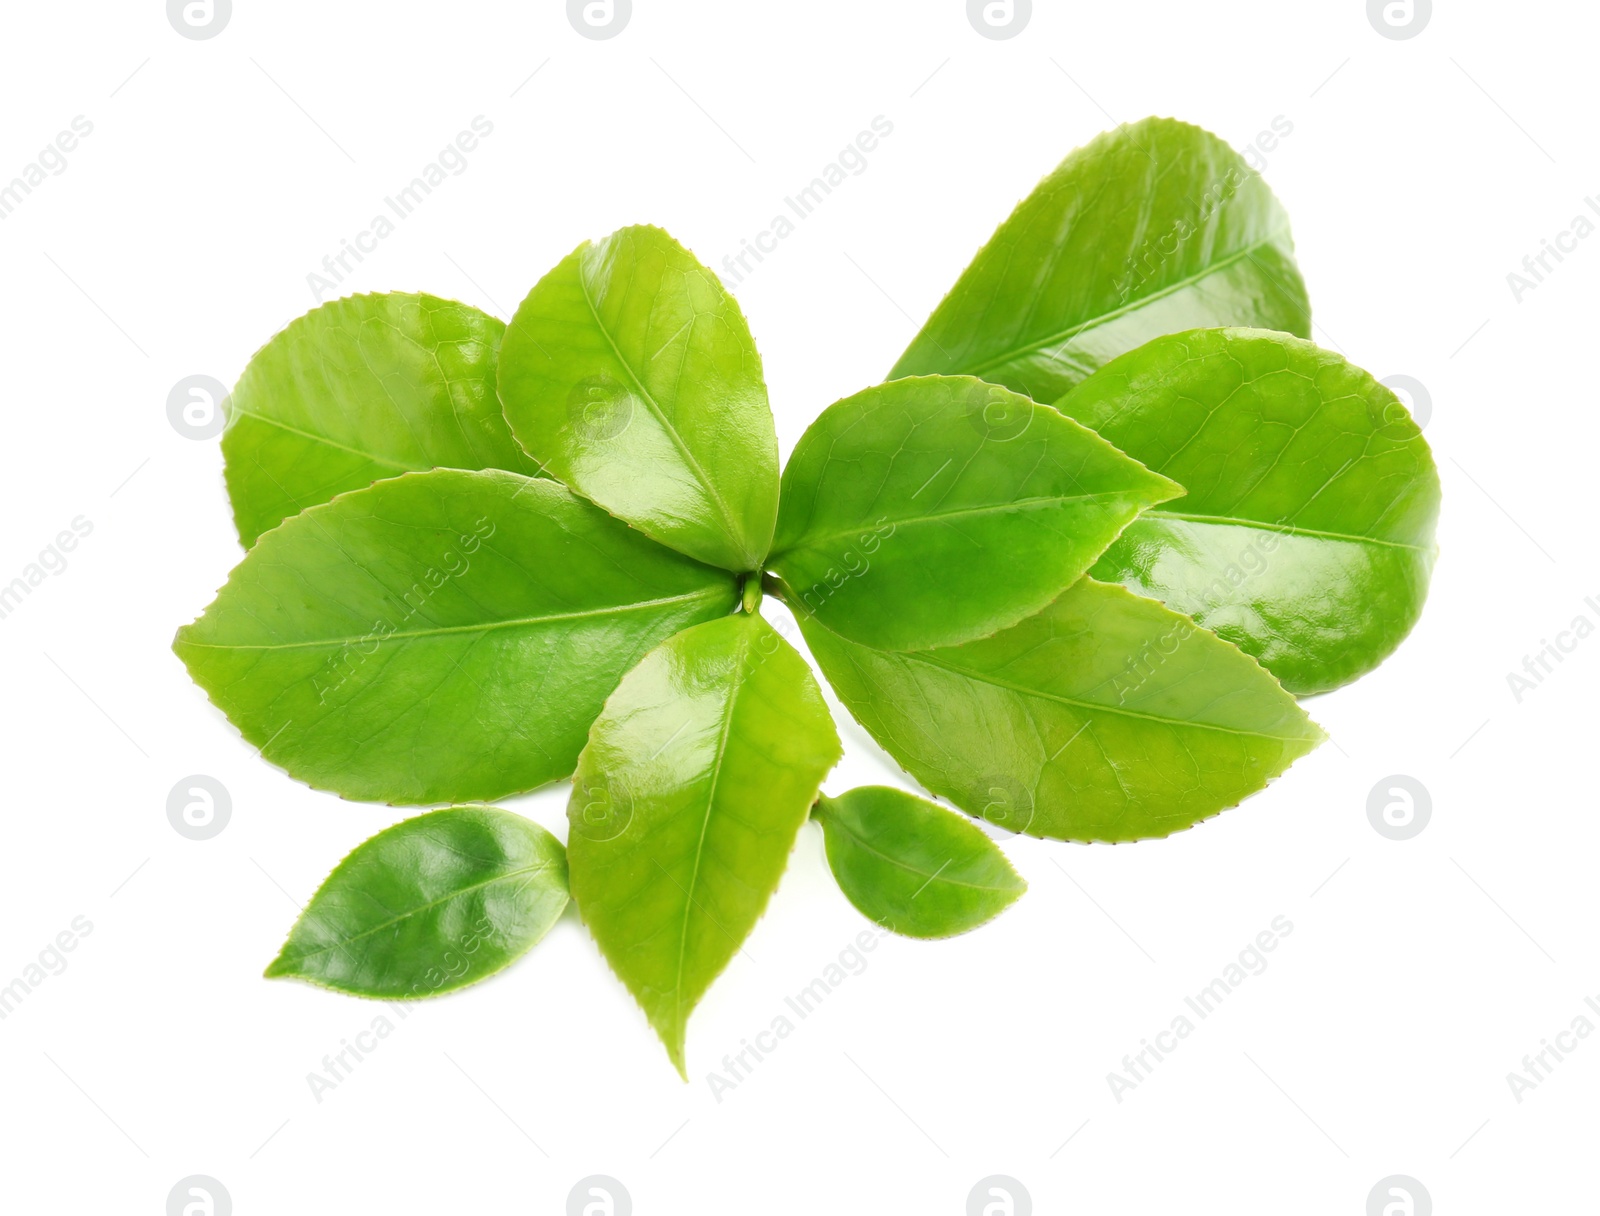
360	389
1306	537
685	806
430	905
630	373
439	637
933	510
1104	717
914	867
1152	228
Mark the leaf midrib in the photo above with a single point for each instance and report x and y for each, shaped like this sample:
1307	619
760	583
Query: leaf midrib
1042	500
1284	529
733	532
678	1017
386	461
421	908
442	630
1023	690
932	876
1132	306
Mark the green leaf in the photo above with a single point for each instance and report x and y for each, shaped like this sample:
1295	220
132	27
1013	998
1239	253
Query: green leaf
1307	534
1149	229
439	637
430	905
631	374
686	803
933	510
361	389
1104	717
914	867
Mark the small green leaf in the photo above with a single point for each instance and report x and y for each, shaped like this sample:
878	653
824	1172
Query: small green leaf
430	905
1104	717
914	867
439	637
1155	227
933	510
360	389
1306	537
630	373
685	806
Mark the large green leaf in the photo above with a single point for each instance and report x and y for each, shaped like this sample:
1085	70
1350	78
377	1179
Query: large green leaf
1104	717
1306	537
361	389
631	374
439	637
1149	229
933	510
686	803
914	867
430	905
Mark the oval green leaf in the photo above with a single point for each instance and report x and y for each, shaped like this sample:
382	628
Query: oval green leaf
630	374
1104	717
1306	537
439	637
933	510
1154	227
685	806
361	389
430	905
913	867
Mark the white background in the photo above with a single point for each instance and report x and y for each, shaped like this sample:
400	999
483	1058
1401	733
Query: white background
219	173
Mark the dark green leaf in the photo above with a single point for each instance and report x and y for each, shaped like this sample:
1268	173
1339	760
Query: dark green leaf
630	373
1149	229
361	389
430	905
914	867
686	803
1307	534
1104	717
439	637
937	509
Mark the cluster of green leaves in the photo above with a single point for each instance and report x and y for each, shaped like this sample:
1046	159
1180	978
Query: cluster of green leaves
1068	566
